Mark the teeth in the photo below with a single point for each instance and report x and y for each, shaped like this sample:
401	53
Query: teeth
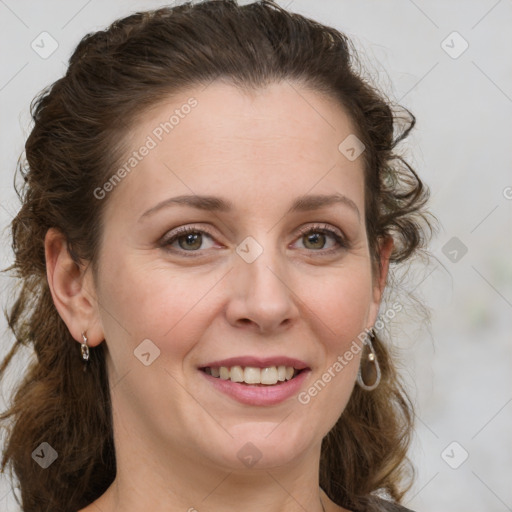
252	375
237	374
269	375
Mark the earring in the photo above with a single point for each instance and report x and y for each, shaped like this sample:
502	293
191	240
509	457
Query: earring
375	372
84	348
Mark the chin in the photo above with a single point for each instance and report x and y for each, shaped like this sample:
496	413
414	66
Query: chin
266	445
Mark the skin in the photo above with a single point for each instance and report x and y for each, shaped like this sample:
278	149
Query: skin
177	437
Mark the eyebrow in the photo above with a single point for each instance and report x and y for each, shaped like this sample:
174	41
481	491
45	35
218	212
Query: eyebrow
217	204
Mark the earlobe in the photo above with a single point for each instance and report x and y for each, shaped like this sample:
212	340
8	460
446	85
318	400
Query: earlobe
75	303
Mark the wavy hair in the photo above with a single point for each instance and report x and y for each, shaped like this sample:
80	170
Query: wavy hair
80	127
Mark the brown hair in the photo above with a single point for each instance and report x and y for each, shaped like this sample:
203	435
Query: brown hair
80	124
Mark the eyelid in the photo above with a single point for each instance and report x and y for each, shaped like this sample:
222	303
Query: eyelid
320	227
335	233
342	241
170	237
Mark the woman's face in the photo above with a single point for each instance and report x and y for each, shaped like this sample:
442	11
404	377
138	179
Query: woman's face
274	272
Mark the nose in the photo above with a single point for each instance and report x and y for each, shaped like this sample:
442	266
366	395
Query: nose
262	298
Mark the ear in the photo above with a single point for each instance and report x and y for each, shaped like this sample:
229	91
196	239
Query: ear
380	275
72	290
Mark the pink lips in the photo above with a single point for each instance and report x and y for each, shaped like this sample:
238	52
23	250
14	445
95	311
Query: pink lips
259	395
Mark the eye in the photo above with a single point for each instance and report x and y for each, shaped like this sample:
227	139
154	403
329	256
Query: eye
316	238
321	239
187	239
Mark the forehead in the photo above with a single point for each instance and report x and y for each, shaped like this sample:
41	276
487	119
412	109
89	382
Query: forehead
272	142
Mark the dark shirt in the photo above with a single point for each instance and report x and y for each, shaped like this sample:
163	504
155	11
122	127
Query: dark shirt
388	506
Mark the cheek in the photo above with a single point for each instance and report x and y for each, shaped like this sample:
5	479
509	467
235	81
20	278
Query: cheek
144	301
340	307
338	314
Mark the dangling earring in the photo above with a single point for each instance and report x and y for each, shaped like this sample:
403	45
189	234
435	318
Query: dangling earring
84	348
371	360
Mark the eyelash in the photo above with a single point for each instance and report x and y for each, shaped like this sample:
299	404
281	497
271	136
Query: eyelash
342	242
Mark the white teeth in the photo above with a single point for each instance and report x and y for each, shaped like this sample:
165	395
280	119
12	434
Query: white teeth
269	375
253	375
237	374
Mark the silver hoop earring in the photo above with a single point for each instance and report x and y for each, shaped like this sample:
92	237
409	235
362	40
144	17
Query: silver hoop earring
371	360
84	348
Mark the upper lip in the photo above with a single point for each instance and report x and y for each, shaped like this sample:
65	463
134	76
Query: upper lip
258	362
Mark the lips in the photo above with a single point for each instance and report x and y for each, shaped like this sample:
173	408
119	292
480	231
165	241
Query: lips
260	395
255	371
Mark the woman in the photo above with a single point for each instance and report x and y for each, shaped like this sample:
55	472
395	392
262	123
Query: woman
211	205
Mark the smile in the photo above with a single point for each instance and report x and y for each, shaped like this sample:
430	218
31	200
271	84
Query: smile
252	375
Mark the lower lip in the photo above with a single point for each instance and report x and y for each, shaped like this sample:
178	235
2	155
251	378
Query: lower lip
259	395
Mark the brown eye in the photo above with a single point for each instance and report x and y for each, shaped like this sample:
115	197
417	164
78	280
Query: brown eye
322	240
314	241
187	240
190	241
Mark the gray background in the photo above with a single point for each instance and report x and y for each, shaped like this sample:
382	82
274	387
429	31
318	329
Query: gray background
458	369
